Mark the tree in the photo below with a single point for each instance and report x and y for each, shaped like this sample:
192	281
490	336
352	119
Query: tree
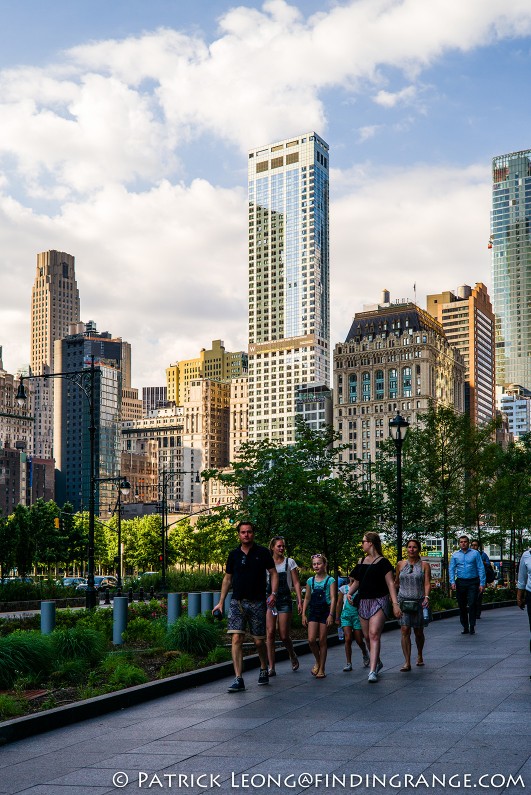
303	492
142	542
7	547
45	528
19	526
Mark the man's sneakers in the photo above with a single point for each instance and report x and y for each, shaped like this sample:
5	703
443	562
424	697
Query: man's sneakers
373	677
348	667
366	660
472	631
263	678
237	686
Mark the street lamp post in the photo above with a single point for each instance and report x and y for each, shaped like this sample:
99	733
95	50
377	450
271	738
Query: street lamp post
124	487
398	428
166	474
85	380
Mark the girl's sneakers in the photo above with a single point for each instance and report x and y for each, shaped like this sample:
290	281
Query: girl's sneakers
348	667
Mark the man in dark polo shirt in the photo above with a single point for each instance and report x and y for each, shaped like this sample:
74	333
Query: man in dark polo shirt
246	572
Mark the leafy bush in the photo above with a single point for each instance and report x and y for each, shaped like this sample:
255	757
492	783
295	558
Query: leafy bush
97	619
127	675
177	665
155	608
115	660
26	591
24	653
81	643
194	635
217	655
11	707
143	630
70	672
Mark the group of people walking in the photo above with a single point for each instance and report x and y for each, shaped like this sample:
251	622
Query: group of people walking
262	581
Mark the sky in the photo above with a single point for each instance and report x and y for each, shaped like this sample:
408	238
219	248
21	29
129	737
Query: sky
125	125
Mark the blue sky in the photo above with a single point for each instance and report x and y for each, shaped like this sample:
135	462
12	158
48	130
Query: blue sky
123	135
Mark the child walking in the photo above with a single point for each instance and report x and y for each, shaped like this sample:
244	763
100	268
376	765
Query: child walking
347	617
320	597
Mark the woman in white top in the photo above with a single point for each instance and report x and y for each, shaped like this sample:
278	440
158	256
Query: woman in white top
288	579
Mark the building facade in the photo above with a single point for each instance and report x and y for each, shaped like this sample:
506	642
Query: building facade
54	306
16	422
515	403
511	266
289	304
72	416
212	363
153	397
239	415
396	358
469	324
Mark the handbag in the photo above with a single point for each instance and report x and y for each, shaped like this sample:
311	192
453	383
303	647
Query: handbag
409	605
489	574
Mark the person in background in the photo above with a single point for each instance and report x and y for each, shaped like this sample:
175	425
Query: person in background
413	580
288	578
486	562
467	579
340	581
245	571
320	597
373	576
347	615
523	586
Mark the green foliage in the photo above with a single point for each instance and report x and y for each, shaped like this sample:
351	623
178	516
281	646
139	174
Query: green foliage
177	665
115	660
127	675
146	631
11	707
193	635
217	655
152	609
100	620
83	643
70	672
24	653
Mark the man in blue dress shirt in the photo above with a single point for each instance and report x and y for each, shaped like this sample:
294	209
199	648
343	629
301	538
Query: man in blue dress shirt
467	578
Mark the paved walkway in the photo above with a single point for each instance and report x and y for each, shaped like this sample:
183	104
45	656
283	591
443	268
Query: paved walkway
467	712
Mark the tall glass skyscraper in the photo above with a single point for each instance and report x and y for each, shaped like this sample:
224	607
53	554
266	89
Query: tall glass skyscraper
289	303
511	266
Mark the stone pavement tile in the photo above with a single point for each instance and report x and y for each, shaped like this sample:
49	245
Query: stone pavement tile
511	757
243	746
22	775
307	751
154	727
92	777
142	760
174	746
339	738
381	753
204	733
50	789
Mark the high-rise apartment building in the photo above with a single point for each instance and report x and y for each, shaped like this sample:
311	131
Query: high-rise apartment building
515	403
213	363
396	358
511	266
289	313
16	423
54	305
469	324
153	397
239	415
72	416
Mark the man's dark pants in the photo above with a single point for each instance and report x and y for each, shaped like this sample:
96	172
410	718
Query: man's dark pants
467	591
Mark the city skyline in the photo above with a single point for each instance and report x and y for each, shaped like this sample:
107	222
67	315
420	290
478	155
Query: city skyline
126	146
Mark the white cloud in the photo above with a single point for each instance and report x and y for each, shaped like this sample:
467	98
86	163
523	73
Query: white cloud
368	132
389	99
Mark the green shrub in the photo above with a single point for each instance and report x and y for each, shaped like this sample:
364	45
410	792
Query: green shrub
78	643
155	608
177	665
217	655
194	635
70	672
115	660
127	675
97	619
145	631
92	691
24	653
11	707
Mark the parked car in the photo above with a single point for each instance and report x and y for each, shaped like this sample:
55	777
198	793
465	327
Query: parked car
71	582
100	583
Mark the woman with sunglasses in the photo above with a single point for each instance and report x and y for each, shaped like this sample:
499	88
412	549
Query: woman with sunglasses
373	578
288	579
320	597
413	579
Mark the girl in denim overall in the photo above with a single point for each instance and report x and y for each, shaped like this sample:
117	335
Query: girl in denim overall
320	597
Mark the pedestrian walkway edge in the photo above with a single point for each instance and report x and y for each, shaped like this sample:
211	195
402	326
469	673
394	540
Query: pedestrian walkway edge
29	725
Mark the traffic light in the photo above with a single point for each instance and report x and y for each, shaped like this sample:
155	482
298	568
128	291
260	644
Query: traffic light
161	558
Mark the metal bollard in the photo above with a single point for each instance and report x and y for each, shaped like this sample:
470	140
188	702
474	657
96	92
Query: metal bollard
47	617
152	592
141	595
130	595
107	599
175	607
194	604
207	602
118	591
119	619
